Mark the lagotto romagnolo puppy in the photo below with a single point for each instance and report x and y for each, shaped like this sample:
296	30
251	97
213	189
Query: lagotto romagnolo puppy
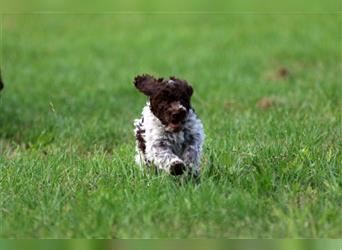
169	135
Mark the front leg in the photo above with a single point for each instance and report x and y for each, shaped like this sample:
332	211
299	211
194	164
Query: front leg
165	159
191	157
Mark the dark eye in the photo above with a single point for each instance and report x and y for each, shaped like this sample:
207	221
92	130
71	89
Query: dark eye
184	102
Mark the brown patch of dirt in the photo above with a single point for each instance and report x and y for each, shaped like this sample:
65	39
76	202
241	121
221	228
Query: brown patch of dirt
266	103
228	104
232	105
281	73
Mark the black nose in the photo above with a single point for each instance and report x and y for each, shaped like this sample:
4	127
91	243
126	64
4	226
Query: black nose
179	114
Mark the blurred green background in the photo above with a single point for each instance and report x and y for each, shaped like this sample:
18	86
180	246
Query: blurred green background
155	5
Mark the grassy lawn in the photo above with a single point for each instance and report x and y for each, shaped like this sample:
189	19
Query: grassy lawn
267	88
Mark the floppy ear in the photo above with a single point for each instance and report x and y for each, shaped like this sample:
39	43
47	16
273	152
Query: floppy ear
146	84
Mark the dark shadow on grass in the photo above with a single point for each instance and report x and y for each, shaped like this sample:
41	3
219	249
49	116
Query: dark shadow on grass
179	180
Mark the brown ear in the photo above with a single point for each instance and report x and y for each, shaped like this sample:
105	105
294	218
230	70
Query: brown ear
146	84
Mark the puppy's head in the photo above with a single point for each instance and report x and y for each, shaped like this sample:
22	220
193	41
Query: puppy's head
169	99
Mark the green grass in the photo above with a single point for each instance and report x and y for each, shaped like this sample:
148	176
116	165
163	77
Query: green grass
66	133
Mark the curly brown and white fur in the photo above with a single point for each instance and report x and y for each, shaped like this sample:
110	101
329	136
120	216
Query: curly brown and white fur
169	135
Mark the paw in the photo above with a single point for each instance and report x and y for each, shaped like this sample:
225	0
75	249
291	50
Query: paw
177	168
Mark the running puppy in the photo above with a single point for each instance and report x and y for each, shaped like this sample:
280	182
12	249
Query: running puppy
169	135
